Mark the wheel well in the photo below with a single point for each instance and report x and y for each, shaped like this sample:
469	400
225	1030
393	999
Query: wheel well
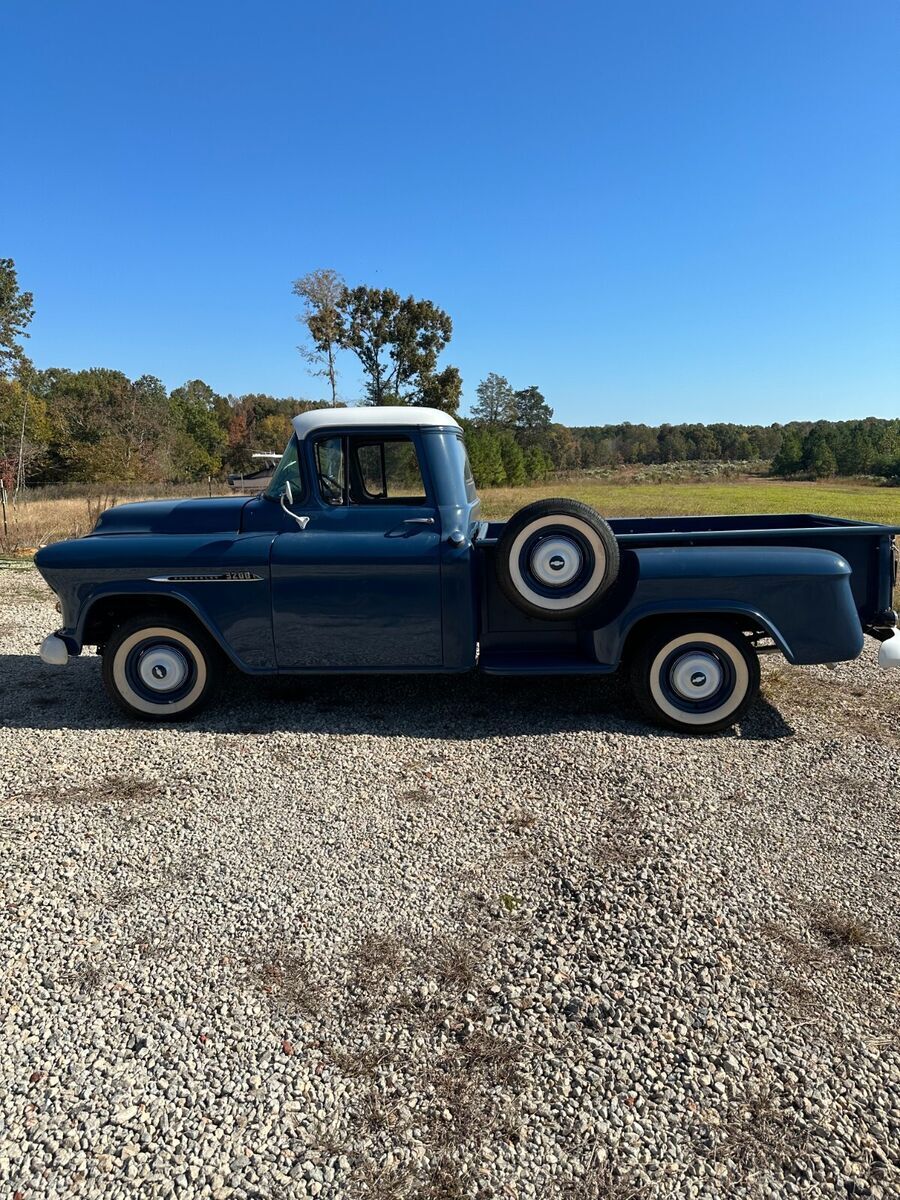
643	628
109	612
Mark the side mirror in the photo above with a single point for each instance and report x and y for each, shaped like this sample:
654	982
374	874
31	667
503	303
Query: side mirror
288	492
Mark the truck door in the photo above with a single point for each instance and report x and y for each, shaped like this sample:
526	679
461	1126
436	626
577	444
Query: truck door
359	587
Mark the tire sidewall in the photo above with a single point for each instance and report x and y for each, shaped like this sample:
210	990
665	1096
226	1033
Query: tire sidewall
194	645
650	690
570	520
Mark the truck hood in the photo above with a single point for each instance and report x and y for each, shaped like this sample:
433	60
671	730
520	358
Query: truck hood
221	514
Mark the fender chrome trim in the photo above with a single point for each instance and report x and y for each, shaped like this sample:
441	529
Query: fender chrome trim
221	577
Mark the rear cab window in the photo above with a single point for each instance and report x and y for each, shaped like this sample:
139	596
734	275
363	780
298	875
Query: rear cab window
459	450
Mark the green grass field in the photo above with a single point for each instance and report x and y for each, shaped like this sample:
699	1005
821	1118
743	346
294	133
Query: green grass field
863	502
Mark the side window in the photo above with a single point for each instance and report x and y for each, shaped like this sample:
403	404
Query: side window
330	469
385	471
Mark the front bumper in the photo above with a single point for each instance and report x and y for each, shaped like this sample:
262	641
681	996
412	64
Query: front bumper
54	651
889	650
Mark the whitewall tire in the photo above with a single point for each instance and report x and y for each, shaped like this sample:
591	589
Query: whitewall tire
160	668
556	558
699	678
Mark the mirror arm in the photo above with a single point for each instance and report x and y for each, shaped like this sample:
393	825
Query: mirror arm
301	521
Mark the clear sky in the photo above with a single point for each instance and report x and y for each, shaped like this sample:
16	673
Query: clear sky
653	211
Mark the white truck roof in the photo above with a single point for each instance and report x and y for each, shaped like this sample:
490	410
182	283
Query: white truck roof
374	417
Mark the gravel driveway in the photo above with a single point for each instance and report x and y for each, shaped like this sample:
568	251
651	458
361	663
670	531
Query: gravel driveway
445	938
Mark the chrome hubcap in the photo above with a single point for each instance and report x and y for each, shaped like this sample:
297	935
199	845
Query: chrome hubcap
696	676
163	669
556	561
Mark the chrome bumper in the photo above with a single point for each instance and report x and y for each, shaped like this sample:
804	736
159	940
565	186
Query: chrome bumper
889	650
54	651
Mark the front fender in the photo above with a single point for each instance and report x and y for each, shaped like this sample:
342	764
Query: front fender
224	582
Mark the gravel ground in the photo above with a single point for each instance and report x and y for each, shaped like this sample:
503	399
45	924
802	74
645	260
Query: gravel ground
445	938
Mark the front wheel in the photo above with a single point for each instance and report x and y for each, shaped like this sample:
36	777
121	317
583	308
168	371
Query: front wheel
160	668
697	678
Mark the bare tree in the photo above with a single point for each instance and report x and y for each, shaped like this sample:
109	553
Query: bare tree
321	292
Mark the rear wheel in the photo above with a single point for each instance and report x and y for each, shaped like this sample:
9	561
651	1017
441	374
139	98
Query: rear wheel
695	677
160	667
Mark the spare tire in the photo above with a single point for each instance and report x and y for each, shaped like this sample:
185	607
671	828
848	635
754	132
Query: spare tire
556	558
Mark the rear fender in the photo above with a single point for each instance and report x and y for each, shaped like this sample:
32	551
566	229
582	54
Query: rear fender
799	597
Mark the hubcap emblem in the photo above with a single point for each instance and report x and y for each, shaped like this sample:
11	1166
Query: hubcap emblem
696	676
163	668
556	561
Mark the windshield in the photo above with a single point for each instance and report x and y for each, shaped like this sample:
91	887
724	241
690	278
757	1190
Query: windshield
287	470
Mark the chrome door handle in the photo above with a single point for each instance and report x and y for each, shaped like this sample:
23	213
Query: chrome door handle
419	521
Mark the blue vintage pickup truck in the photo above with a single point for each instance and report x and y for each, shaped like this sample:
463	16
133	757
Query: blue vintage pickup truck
367	553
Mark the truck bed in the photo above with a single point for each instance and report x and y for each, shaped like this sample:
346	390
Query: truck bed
689	531
867	547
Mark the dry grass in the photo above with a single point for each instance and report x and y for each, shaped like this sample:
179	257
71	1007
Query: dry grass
364	1063
394	1182
843	931
832	704
417	796
377	957
115	790
454	963
150	946
465	1107
443	1181
43	515
493	1058
522	820
617	836
796	952
84	978
467	1083
809	966
601	1182
288	979
758	1133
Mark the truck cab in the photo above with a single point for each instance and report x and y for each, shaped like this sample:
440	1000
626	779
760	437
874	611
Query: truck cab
374	512
368	553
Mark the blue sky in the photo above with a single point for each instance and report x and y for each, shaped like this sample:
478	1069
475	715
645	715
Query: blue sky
653	211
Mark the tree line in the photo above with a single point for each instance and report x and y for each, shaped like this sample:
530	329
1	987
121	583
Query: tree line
98	425
512	438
